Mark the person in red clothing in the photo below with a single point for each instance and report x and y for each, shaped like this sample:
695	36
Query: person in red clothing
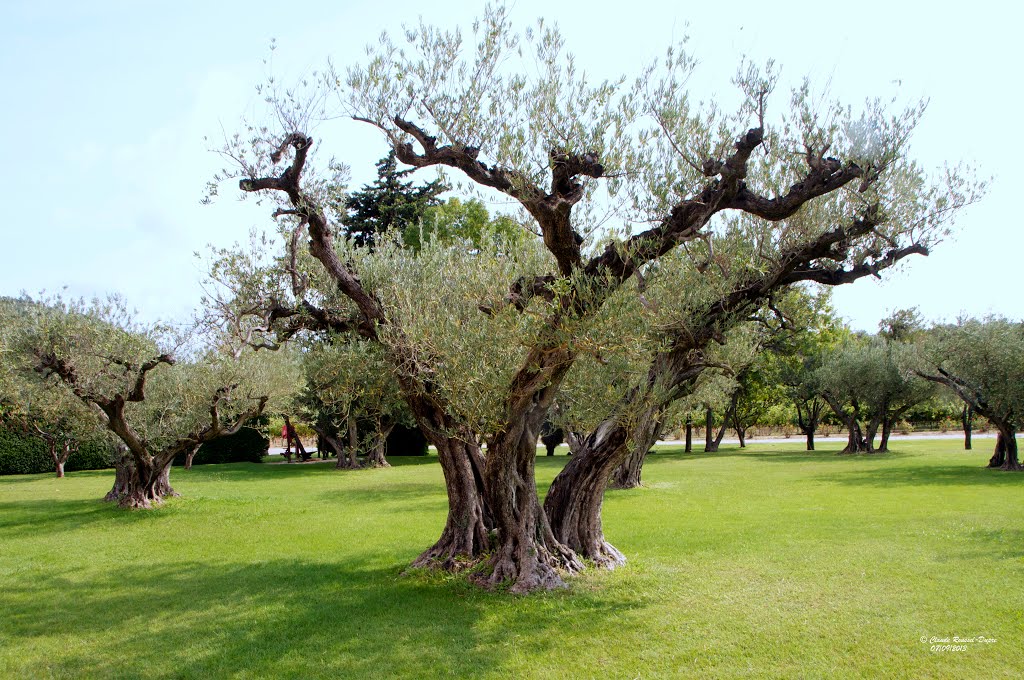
287	439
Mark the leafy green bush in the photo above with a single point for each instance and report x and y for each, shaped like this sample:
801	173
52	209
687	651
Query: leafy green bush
248	445
21	454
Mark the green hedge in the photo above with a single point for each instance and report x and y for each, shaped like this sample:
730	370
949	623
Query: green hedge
406	441
248	445
22	454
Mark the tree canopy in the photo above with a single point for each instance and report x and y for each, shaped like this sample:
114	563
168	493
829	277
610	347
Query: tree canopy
982	362
623	181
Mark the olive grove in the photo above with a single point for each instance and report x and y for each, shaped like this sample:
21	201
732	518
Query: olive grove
620	181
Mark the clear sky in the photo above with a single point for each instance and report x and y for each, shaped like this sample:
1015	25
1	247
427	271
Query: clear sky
107	103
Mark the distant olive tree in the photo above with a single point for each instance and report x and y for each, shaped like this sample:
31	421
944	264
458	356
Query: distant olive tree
869	385
982	362
127	376
56	418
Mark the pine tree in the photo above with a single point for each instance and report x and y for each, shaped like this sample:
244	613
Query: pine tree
388	203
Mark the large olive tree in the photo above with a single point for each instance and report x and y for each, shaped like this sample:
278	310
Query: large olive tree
510	113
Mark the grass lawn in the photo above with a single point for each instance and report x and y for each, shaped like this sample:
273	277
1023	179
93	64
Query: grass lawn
766	562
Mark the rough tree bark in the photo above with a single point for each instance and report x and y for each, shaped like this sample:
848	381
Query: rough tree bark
627	474
528	556
574	500
123	472
1005	456
189	455
576	495
689	435
808	418
466	533
376	456
966	417
855	442
144	483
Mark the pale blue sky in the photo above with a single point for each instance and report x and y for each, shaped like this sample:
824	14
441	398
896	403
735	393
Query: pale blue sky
107	104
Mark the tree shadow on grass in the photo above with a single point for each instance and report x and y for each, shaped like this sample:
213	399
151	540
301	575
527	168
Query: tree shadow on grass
249	471
280	619
929	475
1006	544
786	455
47	476
37	517
411	495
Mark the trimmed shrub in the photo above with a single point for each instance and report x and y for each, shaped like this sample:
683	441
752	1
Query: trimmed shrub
22	454
248	445
406	441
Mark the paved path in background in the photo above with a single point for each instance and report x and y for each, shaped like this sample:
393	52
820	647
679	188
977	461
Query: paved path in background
835	438
795	439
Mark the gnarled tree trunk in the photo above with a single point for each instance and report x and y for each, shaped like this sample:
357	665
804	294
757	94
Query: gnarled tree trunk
465	536
376	456
528	554
855	442
124	466
689	435
348	460
145	482
627	474
574	500
1005	456
189	455
966	416
883	443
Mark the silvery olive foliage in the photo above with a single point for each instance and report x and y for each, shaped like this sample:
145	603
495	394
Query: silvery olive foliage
981	361
104	350
349	377
29	404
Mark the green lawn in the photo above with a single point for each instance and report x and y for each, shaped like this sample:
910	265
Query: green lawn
767	562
